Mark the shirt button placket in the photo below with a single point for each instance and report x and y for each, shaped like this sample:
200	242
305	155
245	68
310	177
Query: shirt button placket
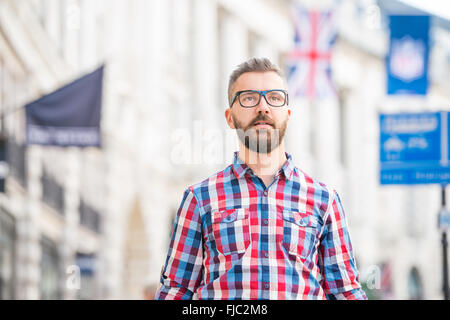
265	245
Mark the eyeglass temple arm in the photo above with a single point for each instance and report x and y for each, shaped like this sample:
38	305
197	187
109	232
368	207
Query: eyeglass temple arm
234	99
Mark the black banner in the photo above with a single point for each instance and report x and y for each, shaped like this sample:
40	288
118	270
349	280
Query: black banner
69	116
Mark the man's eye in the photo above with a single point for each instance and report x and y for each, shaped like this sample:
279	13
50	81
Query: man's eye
249	98
275	98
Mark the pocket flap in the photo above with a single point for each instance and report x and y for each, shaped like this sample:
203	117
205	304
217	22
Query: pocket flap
227	216
299	218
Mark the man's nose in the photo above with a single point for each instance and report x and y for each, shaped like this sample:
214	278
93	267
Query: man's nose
262	106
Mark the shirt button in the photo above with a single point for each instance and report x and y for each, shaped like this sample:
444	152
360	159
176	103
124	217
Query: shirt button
266	222
265	193
266	254
266	286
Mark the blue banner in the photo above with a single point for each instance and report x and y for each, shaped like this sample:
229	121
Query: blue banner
414	148
407	61
69	116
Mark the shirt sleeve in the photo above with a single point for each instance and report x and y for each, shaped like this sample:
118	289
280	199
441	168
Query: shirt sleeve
340	278
182	272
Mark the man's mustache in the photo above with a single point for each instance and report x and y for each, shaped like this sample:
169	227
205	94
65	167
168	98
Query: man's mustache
261	118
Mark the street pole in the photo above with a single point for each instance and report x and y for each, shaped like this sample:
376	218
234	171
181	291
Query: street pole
444	250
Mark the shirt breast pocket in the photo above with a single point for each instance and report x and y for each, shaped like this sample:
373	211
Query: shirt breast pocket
231	230
299	233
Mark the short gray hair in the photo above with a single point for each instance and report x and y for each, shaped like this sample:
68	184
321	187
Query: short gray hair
252	65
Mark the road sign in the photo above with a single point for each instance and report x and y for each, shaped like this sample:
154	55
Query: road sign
414	148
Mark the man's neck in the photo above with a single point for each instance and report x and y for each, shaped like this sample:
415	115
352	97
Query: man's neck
264	165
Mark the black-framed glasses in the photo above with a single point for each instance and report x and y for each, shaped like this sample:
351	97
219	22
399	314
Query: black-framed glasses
251	98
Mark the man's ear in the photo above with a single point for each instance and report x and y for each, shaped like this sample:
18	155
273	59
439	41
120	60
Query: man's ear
228	118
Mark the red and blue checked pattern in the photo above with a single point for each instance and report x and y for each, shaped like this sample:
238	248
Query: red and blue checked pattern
235	238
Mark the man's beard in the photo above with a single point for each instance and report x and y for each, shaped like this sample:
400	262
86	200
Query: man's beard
260	140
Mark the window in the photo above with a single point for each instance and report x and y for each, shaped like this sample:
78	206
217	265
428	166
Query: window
87	265
49	270
7	256
3	162
89	217
52	192
16	160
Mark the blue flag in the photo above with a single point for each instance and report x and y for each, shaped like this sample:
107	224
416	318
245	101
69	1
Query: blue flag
69	116
407	62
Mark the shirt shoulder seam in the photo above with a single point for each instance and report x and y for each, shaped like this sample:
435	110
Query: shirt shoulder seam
330	203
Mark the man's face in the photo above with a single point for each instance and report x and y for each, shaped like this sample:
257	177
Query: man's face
261	138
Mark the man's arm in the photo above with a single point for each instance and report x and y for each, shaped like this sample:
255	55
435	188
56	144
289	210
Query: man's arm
336	261
182	272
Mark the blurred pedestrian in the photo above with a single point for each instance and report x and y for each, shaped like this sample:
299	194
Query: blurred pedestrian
261	228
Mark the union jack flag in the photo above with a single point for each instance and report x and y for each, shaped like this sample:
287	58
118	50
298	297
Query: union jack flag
309	70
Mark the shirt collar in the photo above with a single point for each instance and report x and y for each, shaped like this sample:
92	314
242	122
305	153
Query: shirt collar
240	168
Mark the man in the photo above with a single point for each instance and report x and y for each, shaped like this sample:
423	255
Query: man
261	228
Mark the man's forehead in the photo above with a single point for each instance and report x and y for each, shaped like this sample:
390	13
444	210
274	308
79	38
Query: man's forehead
264	80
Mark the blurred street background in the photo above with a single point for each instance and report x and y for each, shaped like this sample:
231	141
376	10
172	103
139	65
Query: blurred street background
94	222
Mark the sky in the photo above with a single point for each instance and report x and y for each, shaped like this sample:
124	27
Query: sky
437	7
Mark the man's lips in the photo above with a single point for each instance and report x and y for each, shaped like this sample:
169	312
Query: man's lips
262	124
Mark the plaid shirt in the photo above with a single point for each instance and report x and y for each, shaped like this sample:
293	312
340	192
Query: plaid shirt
234	238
